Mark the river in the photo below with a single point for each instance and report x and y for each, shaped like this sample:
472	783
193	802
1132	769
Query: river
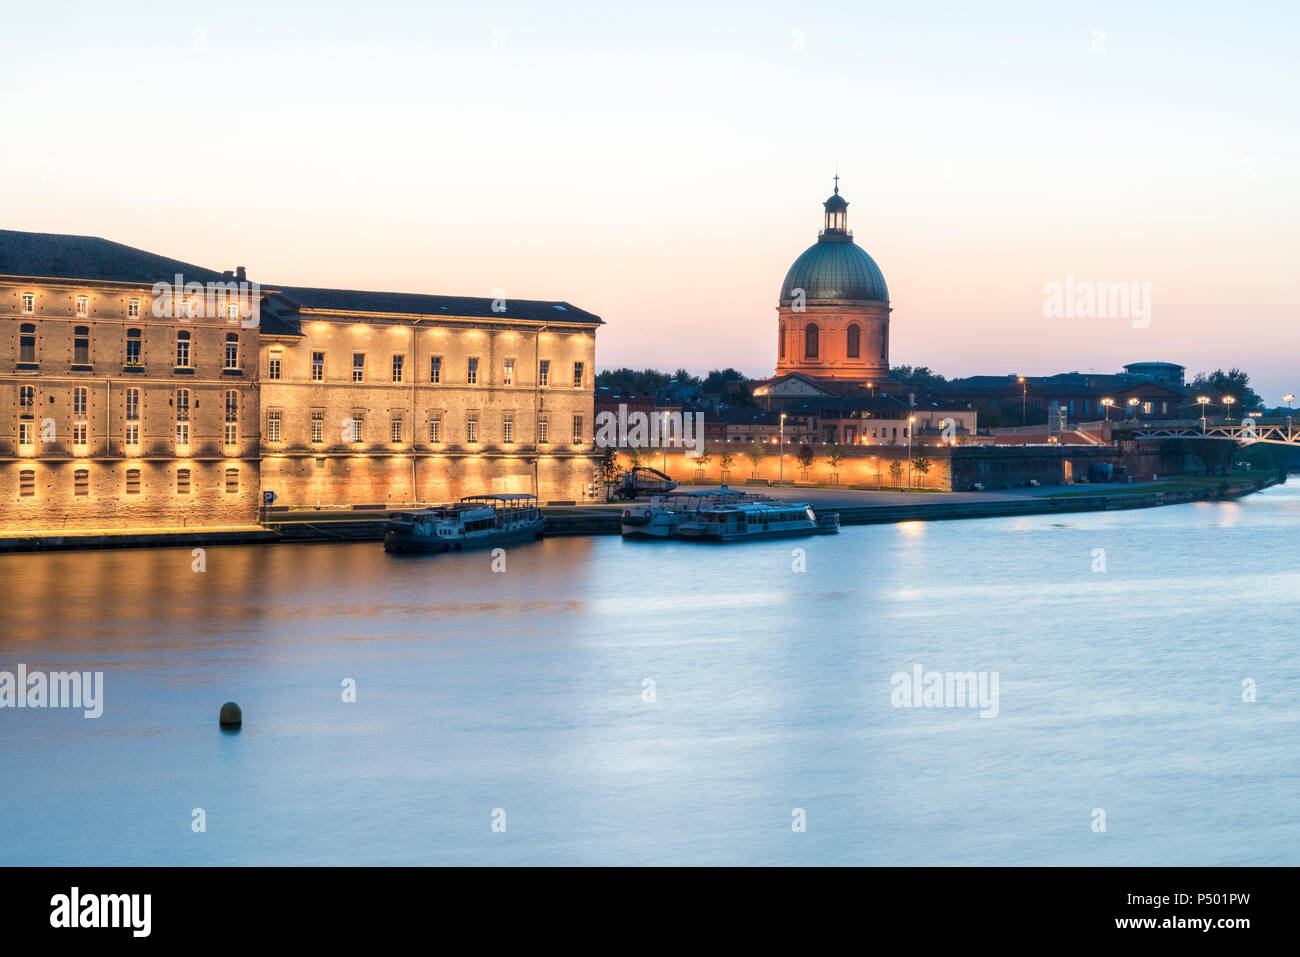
673	703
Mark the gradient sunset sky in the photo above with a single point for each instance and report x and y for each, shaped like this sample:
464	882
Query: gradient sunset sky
662	165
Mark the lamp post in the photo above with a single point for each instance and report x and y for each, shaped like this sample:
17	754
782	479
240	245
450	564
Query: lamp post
1204	401
1133	408
780	480
1227	402
871	388
1024	401
911	427
1288	399
1107	403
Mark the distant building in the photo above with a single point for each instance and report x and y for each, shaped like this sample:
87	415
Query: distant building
1168	373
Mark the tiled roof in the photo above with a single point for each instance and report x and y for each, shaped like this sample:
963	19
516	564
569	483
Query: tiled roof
62	256
419	304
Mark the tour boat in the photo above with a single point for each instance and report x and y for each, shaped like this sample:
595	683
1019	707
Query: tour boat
742	521
476	521
661	518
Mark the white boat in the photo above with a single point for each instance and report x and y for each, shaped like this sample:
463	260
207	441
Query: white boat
661	518
476	521
744	521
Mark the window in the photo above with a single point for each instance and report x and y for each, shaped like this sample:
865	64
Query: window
232	481
273	425
182	417
133	343
508	429
273	363
810	341
132	481
355	425
577	375
398	363
232	311
318	367
577	430
780	343
544	372
471	427
1146	408
26	433
543	432
133	308
27	396
435	369
83	305
358	367
182	481
508	376
854	341
133	405
29	303
27	482
318	425
397	428
471	372
80	396
232	350
182	349
81	346
232	417
435	429
27	342
81	482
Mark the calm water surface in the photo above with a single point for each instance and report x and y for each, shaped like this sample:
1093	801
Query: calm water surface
1119	690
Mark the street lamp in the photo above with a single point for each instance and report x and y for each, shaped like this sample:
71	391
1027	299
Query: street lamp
911	427
871	388
780	480
1024	400
1227	401
1107	403
1288	399
1203	400
1133	408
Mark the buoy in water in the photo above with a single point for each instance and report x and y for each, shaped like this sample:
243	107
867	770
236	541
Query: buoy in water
231	716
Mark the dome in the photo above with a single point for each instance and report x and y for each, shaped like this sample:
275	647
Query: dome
835	268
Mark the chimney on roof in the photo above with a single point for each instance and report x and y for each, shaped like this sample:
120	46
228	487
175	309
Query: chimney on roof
239	273
228	274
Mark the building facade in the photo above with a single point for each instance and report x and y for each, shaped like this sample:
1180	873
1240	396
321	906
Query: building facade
138	391
125	401
394	398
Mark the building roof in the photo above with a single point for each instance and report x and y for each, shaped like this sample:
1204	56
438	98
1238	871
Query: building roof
65	256
420	304
835	270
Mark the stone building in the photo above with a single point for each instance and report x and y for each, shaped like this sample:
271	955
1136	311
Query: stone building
125	400
392	398
138	391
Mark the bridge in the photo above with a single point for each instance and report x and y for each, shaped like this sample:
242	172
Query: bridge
1246	432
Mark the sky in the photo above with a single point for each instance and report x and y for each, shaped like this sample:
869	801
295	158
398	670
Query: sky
662	165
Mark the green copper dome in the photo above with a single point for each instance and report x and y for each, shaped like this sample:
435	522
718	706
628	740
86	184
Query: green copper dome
835	267
835	270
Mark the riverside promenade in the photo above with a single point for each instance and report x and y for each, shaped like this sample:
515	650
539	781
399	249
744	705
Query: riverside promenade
855	507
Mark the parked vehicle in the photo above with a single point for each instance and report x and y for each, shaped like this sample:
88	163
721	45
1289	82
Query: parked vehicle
641	482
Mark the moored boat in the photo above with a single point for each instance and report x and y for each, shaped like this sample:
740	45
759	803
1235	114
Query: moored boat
665	513
745	521
476	521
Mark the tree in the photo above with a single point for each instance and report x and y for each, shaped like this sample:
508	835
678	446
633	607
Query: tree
756	451
896	471
608	465
1215	385
835	456
717	379
725	461
921	463
636	455
804	457
919	378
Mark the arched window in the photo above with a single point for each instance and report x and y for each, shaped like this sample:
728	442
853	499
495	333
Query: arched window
810	341
780	346
855	340
27	342
884	343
